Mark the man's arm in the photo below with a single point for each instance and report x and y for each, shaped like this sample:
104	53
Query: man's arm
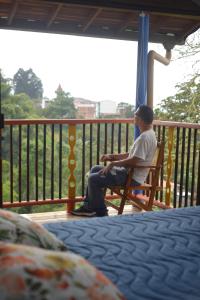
113	157
126	163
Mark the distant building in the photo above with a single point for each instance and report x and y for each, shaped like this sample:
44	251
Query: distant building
107	107
85	109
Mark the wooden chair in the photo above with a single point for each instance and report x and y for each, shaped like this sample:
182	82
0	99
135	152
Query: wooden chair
146	200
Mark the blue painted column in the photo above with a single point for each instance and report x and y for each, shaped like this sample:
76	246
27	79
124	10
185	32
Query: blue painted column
141	86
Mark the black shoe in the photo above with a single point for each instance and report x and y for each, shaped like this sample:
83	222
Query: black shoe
102	214
83	211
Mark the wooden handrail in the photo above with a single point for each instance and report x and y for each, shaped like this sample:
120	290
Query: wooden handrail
96	121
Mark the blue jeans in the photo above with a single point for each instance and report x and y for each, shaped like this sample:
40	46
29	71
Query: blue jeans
97	184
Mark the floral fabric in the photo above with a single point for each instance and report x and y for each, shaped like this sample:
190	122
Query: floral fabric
17	229
29	273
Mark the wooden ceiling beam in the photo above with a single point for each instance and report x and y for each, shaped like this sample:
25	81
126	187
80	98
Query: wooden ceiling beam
126	23
197	2
153	26
53	17
189	30
98	11
136	6
13	12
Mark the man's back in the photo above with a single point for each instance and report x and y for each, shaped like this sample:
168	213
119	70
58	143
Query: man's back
144	148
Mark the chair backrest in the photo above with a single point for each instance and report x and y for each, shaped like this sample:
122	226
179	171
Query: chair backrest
154	168
158	156
157	162
152	183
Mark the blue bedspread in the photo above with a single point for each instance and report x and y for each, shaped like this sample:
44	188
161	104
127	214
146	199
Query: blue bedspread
154	255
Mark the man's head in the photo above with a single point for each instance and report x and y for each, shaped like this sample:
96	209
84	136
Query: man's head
144	113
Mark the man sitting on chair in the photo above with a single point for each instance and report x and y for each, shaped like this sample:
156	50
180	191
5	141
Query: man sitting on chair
115	173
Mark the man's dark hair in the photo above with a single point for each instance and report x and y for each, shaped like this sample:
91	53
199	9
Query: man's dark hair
145	113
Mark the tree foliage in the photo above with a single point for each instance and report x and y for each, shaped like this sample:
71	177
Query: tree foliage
62	107
190	49
5	86
27	82
15	106
185	105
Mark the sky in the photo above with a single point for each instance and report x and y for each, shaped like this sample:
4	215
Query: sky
90	68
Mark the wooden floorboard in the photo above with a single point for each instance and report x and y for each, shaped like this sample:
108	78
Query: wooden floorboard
54	216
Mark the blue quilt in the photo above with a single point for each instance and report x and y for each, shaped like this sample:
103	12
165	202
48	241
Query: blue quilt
153	255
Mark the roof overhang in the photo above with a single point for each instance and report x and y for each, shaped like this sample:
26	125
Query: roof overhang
170	21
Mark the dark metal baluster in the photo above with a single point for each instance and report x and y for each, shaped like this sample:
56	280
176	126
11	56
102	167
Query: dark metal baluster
182	168
52	161
91	140
187	167
119	137
112	137
98	142
44	161
193	166
112	140
163	134
155	129
11	163
28	164
60	162
159	133
20	164
176	166
106	140
36	162
198	181
127	137
83	161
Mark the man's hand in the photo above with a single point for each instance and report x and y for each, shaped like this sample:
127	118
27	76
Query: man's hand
106	157
106	169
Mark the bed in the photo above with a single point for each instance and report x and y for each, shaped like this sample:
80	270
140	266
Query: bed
152	255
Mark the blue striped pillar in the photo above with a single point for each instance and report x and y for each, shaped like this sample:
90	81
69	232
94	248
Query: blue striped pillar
141	85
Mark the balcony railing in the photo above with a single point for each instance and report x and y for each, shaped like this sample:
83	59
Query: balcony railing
46	161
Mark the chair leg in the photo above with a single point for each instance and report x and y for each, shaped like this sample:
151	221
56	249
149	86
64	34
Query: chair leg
121	207
151	198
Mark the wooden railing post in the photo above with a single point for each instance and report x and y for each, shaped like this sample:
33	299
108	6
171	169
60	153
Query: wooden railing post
72	166
169	165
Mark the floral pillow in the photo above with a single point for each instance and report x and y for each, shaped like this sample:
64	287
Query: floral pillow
17	229
28	273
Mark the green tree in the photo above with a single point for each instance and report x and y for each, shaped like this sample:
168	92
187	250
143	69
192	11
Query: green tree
27	82
15	106
18	107
185	105
6	86
190	49
61	107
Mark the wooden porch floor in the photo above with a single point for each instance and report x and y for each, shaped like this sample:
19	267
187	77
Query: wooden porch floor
54	216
